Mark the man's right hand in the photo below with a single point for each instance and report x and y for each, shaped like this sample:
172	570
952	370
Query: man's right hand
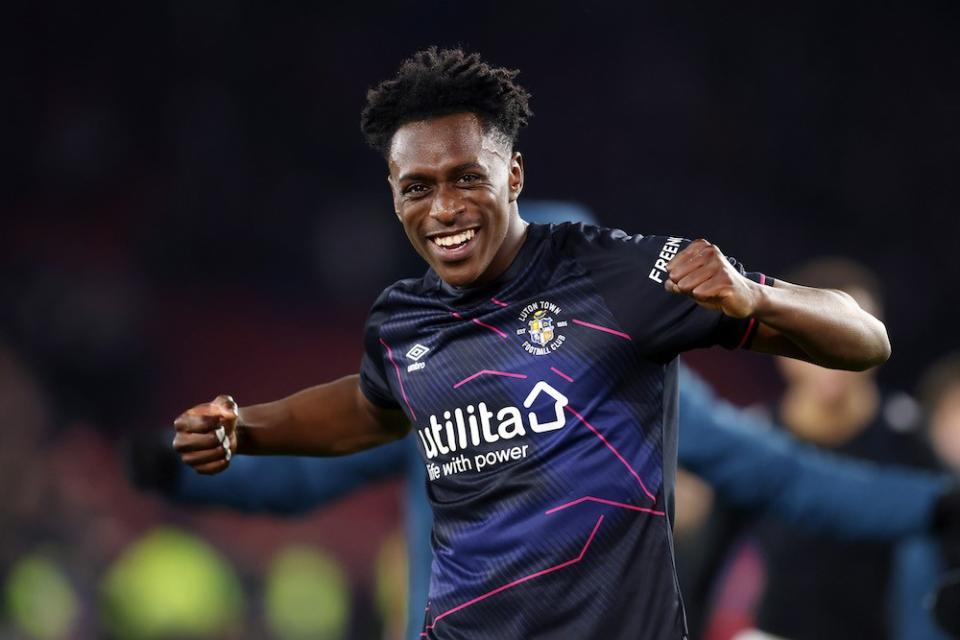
206	435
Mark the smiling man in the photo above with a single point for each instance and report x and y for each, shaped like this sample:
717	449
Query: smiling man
537	365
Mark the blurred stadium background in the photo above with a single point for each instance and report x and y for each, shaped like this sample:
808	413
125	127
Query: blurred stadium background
188	209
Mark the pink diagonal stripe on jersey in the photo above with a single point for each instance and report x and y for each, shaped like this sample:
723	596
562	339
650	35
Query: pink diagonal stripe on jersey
612	503
492	328
590	325
633	471
542	572
561	374
489	372
482	324
413	413
499	303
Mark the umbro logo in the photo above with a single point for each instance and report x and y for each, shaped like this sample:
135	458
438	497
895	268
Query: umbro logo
416	352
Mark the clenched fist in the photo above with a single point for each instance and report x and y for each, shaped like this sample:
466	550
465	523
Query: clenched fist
703	273
206	435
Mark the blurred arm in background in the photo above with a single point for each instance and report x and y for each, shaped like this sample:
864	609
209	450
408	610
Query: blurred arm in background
285	485
753	466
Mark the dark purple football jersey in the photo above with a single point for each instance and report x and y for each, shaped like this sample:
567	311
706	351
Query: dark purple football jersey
544	405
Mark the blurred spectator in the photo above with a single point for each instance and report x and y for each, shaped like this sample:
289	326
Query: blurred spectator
939	391
818	587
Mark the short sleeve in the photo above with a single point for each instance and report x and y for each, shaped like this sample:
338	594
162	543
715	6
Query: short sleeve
630	272
373	368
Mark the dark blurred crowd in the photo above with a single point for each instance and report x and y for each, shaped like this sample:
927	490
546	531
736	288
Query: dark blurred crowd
187	208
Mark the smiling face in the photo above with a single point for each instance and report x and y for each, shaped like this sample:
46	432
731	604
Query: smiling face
455	189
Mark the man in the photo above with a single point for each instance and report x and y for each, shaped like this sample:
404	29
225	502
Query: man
939	390
818	587
550	520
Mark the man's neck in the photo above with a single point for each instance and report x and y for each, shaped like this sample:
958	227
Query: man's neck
516	235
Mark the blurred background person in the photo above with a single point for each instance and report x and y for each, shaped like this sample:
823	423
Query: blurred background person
817	587
939	391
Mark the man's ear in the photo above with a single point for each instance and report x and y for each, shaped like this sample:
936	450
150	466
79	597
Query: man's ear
515	181
395	195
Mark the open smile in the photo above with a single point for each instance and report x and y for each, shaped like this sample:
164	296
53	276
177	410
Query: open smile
454	246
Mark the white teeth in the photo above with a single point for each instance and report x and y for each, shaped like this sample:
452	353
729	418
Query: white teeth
451	241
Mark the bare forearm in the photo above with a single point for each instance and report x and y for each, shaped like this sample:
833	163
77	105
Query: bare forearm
326	420
823	326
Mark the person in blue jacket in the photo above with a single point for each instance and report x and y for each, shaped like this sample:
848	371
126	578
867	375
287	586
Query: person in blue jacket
750	465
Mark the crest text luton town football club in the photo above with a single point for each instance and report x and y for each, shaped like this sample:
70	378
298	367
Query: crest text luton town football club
541	326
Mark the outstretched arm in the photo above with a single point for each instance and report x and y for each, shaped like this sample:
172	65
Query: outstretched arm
821	326
751	464
327	420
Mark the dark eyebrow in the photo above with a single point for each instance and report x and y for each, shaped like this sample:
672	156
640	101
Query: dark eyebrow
460	168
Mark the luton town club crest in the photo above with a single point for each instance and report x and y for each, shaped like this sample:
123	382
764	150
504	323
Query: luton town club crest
541	327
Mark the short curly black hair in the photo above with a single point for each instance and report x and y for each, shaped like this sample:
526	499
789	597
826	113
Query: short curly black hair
434	83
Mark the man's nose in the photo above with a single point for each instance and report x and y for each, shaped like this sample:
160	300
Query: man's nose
447	205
